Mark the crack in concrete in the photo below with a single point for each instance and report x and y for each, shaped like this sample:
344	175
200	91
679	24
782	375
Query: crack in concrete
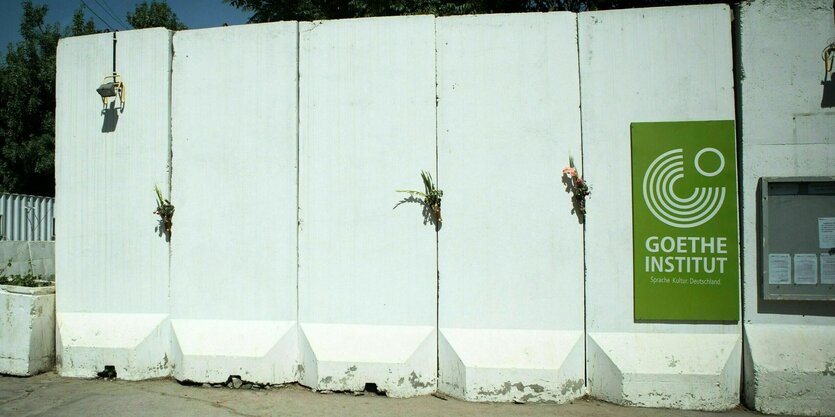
215	404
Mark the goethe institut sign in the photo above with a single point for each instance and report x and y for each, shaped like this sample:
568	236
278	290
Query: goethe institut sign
685	221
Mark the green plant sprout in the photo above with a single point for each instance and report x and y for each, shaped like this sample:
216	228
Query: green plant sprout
29	279
431	195
165	210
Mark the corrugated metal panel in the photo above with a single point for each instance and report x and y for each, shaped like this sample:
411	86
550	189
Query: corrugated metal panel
27	217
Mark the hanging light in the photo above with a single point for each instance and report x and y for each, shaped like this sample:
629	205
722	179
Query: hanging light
113	86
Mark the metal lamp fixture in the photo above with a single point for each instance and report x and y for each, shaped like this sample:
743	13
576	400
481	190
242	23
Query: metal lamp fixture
113	85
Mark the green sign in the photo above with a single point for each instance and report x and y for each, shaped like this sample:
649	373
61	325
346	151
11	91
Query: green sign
685	224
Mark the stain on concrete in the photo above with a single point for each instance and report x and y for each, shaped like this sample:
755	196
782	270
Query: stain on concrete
572	385
830	368
673	362
326	380
300	370
400	381
506	387
416	382
537	388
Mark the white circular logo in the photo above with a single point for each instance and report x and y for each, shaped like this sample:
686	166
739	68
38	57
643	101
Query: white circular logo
666	205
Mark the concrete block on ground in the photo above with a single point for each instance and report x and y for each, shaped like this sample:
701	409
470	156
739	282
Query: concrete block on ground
256	350
367	263
790	369
685	371
512	365
508	121
136	345
233	260
111	258
27	330
398	360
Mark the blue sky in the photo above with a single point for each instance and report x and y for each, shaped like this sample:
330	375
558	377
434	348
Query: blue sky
194	13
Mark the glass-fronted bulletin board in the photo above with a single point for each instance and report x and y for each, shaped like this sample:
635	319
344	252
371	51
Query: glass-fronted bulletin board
797	250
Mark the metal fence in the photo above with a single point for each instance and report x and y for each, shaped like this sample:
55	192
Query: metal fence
27	217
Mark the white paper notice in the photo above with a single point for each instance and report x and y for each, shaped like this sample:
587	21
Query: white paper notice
806	268
779	268
827	268
826	232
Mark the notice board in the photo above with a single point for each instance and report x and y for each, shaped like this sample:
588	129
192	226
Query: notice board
685	221
797	232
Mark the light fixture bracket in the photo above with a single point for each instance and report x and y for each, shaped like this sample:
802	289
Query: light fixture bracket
113	88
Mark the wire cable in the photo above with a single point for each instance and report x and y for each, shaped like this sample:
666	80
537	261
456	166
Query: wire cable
96	14
107	9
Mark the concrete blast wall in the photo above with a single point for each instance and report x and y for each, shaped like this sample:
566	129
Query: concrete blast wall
112	258
511	253
787	130
293	258
367	265
233	247
646	65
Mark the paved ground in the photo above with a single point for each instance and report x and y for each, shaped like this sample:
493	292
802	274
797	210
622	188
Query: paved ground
51	395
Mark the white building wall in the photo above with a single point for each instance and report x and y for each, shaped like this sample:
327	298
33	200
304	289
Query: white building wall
510	250
785	132
233	246
647	65
367	277
112	294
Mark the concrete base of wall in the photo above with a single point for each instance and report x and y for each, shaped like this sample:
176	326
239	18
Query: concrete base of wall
790	369
511	365
135	344
256	351
27	331
685	371
400	360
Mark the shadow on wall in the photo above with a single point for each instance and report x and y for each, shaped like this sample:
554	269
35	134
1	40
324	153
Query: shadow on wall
570	189
428	215
828	99
111	118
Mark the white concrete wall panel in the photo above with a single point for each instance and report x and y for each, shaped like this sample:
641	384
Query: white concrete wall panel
112	261
645	65
233	258
785	132
367	278
508	120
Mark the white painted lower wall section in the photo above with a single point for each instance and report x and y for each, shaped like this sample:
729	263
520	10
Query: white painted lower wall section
687	371
112	259
367	266
648	65
136	345
790	368
510	251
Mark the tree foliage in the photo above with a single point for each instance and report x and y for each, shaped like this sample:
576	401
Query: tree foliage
155	14
27	102
275	10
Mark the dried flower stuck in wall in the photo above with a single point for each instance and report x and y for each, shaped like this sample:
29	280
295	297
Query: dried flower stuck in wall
578	186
